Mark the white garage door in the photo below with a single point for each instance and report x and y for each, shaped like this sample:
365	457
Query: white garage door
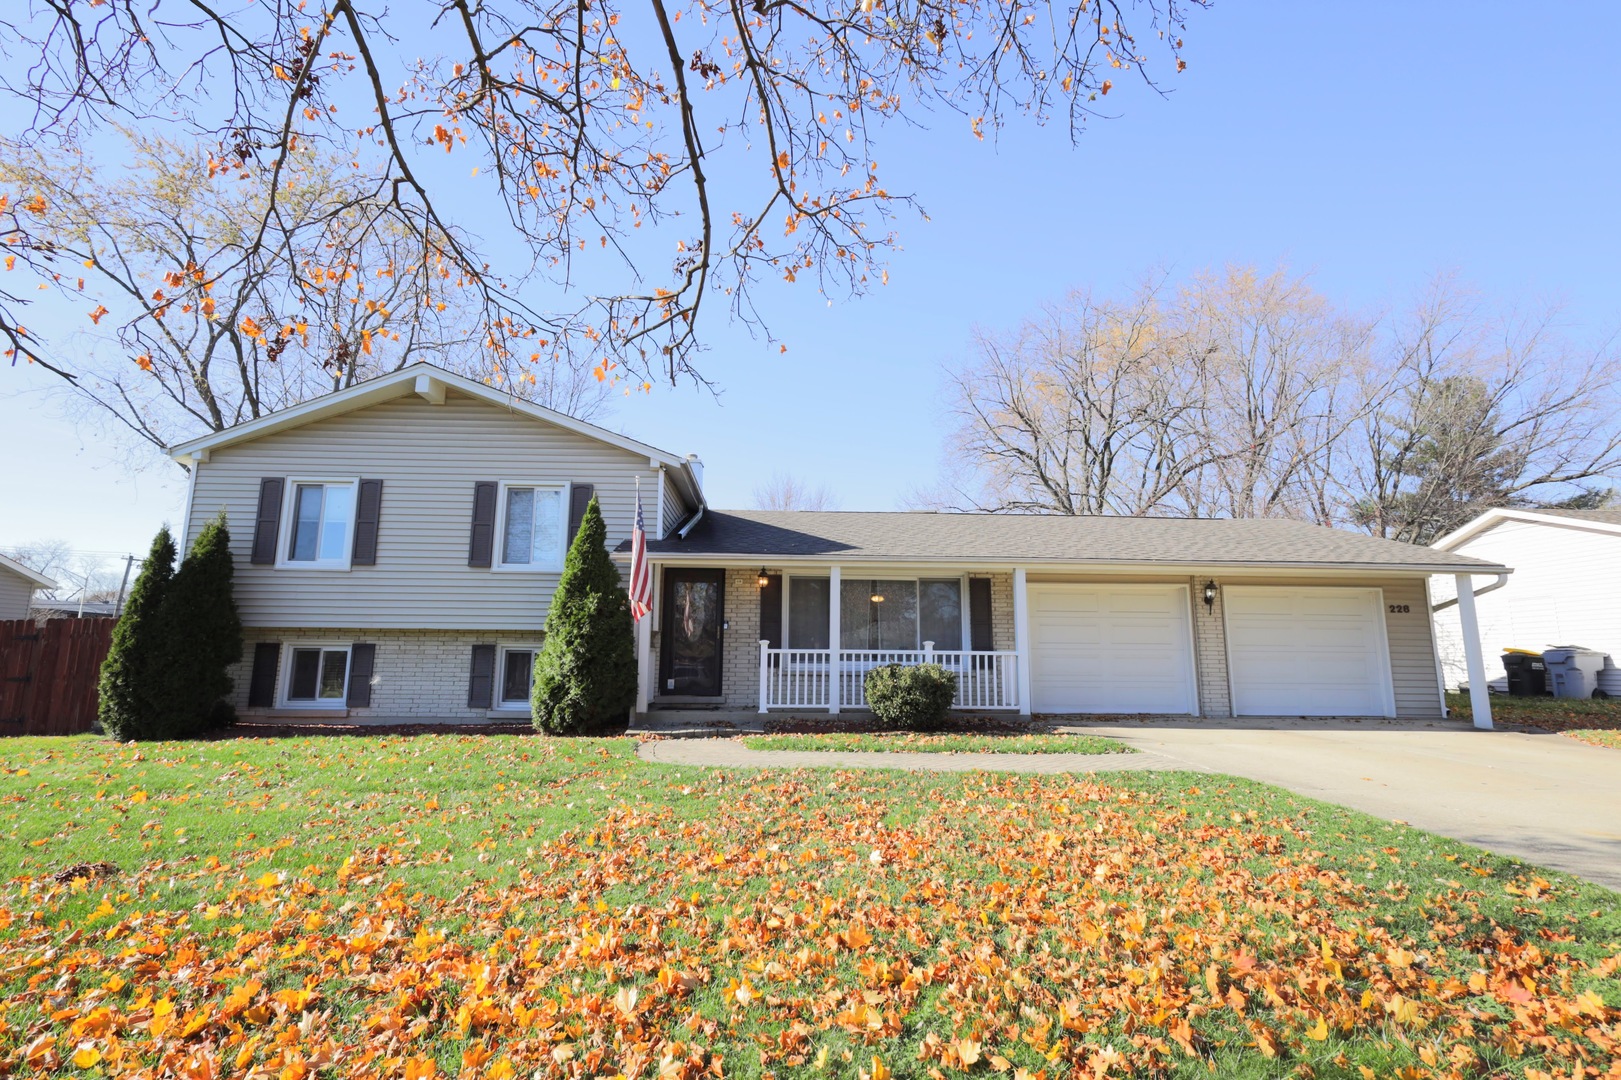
1307	651
1111	649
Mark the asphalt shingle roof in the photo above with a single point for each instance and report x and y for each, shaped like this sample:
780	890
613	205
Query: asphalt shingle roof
1603	517
855	536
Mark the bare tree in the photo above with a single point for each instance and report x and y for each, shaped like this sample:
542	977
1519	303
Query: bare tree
1249	395
1487	411
784	491
596	130
1283	376
1082	410
218	310
92	575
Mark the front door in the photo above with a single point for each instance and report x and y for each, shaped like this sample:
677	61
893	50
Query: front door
690	642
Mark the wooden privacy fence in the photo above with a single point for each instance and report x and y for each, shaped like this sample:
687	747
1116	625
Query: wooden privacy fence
48	674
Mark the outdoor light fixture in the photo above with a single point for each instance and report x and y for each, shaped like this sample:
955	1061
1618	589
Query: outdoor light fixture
1210	596
877	598
764	579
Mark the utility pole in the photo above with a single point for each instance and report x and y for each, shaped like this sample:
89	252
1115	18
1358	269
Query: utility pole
118	607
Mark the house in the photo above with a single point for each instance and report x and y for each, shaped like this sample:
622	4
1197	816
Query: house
1564	591
1047	614
17	585
73	609
397	543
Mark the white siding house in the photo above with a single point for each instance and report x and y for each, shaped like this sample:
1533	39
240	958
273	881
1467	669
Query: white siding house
1565	589
17	585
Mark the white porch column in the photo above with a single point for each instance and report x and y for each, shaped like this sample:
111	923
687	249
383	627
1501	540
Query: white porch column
1021	637
1479	697
835	590
765	647
644	660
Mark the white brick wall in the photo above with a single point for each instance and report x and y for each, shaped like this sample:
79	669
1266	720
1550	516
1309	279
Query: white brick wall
417	673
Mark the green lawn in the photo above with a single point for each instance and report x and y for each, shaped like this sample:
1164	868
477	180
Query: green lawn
502	906
948	743
1596	721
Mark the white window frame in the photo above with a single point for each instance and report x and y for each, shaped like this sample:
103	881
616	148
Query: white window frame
497	704
285	681
500	539
787	592
284	538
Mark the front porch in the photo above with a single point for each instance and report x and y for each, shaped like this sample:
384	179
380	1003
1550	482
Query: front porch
837	679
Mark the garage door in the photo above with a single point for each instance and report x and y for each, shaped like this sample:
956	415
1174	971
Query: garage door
1307	652
1111	649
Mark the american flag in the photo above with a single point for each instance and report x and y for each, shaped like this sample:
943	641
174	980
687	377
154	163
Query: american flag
641	578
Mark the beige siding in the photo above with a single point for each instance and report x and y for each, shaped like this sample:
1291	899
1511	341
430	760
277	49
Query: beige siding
16	593
1564	591
428	457
1412	650
675	511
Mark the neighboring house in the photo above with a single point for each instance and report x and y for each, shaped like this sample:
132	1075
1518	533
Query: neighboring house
72	609
1565	589
1047	614
397	543
17	585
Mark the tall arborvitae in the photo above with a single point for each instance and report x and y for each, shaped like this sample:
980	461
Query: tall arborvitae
126	708
201	638
585	673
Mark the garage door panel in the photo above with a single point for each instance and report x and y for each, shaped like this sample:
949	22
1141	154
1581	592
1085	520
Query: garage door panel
1308	651
1109	649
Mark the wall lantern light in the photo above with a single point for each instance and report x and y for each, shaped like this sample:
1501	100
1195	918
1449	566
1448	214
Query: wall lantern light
764	579
1210	596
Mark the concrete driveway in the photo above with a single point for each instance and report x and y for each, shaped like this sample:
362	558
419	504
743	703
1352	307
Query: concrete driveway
1544	798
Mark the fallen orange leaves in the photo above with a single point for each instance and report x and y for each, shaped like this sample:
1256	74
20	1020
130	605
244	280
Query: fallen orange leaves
1035	927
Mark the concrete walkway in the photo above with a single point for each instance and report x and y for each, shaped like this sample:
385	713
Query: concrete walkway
1543	798
731	753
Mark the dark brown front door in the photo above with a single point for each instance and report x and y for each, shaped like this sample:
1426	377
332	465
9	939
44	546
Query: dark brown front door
690	641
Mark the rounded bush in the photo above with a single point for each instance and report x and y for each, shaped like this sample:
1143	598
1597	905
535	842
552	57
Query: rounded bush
913	697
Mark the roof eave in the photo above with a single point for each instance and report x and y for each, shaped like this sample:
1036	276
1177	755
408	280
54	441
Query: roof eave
1469	530
398	384
39	580
1471	566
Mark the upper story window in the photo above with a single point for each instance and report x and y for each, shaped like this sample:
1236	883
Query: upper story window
533	522
320	527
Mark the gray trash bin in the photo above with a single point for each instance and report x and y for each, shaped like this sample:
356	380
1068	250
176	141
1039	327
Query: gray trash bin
1573	670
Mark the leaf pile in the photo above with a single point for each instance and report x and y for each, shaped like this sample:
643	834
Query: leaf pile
504	907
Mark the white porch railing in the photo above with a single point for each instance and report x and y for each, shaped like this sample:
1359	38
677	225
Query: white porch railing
805	678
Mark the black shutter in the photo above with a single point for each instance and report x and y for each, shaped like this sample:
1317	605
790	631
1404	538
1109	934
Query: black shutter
579	497
481	678
262	682
267	524
361	660
368	509
980	638
771	610
481	547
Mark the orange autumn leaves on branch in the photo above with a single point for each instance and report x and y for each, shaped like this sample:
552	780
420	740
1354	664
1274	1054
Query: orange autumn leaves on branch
601	197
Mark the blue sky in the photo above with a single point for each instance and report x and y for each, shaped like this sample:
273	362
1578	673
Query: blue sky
1370	145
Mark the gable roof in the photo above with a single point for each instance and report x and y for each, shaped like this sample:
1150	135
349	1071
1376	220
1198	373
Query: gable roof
776	536
1603	521
40	581
429	380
